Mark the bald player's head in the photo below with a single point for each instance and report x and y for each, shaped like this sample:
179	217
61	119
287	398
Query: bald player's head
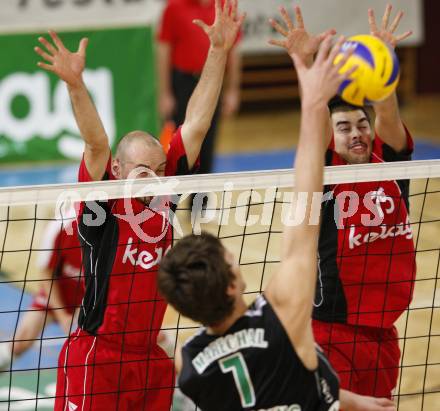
140	153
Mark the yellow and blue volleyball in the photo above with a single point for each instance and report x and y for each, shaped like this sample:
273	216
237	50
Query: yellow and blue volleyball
378	70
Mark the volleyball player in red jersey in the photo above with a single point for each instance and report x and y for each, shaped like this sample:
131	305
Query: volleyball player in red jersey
366	259
113	362
59	297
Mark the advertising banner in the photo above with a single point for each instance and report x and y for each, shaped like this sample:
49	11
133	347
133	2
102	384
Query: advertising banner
36	120
348	17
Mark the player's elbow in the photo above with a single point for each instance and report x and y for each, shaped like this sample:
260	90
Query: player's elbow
97	147
195	129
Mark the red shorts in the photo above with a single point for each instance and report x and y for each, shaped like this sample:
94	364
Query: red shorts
93	375
366	358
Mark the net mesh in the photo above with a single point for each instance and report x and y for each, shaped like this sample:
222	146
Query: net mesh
246	211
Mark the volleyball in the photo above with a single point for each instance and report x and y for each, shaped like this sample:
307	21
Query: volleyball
377	74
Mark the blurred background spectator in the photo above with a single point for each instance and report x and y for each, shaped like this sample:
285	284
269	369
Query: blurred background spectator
182	51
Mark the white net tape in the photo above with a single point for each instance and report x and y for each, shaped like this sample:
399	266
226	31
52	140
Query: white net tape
46	194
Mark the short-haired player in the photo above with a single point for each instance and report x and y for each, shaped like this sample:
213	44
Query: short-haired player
366	267
113	361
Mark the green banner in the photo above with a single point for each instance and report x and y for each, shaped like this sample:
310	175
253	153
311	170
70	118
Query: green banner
36	120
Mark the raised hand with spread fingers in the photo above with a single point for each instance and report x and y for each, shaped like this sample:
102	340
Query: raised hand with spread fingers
222	35
223	32
388	123
297	40
67	65
320	82
387	31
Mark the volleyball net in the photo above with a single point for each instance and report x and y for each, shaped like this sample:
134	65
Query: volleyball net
247	212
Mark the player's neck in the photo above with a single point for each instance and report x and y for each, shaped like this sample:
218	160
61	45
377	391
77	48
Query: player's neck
239	309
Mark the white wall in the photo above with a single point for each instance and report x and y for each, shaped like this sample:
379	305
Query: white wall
347	16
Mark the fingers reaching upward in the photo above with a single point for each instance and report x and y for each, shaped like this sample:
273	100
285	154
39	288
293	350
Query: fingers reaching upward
223	32
387	30
296	39
68	66
320	82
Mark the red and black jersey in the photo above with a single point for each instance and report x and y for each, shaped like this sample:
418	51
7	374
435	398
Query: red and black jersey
367	264
123	242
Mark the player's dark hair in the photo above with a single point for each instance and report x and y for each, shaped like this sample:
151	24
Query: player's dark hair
337	105
194	277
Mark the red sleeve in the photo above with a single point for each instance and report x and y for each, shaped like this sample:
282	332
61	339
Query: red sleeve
51	255
387	153
84	175
166	33
177	163
55	257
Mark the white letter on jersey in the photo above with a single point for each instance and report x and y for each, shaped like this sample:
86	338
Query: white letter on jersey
129	254
371	205
353	204
353	240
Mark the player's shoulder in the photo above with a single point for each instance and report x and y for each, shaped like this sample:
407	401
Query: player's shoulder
252	316
256	309
383	152
196	338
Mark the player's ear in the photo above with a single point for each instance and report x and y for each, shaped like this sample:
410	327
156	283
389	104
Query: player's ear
233	287
116	168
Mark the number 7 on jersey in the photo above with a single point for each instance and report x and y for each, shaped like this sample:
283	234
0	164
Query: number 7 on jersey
235	363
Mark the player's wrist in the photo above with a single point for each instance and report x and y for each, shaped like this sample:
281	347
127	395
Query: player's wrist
311	102
76	84
308	60
218	52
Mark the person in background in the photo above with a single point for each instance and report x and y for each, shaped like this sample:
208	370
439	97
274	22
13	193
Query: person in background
60	293
182	51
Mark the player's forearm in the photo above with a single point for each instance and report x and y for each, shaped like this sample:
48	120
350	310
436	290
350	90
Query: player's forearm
53	293
164	68
87	118
310	152
233	74
308	60
309	165
346	400
55	300
203	102
350	401
387	109
388	123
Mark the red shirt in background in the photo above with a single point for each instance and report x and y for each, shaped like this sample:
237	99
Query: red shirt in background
189	43
62	257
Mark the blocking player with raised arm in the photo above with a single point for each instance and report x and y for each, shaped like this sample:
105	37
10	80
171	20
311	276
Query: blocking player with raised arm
113	362
366	271
262	356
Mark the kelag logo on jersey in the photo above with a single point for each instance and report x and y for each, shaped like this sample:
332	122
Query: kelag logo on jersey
144	259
